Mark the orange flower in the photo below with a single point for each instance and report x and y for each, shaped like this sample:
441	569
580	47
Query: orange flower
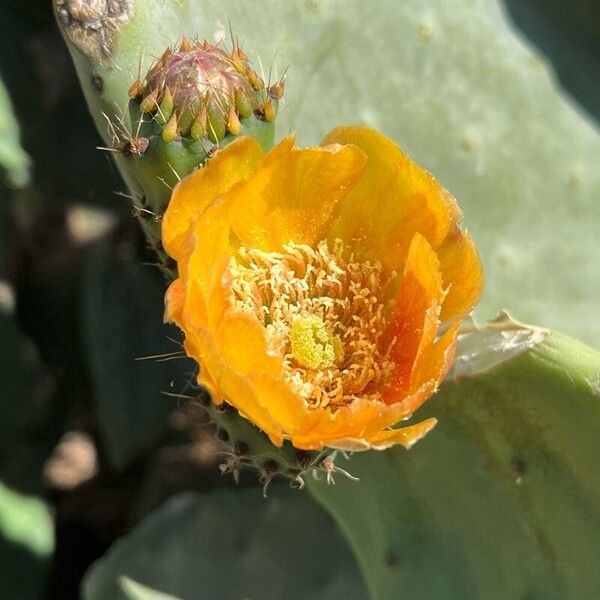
312	284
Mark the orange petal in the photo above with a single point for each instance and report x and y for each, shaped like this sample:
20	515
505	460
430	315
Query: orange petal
357	421
394	199
239	392
243	344
233	163
174	300
293	194
237	366
462	274
435	361
406	436
414	322
325	426
199	345
229	384
287	408
404	407
206	265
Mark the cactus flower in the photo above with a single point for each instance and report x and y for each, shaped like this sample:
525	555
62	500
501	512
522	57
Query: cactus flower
320	289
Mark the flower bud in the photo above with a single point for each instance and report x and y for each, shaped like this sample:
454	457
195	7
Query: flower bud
201	77
193	98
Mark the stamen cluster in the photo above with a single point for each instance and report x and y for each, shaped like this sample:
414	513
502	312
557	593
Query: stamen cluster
338	299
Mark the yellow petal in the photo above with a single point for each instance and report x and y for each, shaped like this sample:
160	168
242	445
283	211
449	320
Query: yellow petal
284	406
435	360
174	301
293	194
233	163
405	436
204	270
243	343
394	199
239	392
462	273
229	384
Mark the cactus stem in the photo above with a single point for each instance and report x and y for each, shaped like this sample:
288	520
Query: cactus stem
134	146
330	468
241	449
223	435
141	213
303	459
231	465
266	478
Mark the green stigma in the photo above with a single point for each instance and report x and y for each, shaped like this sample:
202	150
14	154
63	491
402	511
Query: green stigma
313	346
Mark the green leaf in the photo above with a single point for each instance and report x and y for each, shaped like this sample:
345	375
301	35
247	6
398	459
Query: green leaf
26	543
231	546
123	307
13	160
502	499
454	85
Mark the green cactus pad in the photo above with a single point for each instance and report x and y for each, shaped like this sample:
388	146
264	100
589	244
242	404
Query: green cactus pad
223	545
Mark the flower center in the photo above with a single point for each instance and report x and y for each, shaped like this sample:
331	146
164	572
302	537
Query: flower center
313	346
322	313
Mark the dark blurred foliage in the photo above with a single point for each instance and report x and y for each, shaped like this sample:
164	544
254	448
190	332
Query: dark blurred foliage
86	308
77	301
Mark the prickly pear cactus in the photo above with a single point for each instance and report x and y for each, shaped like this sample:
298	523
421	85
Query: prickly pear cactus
503	499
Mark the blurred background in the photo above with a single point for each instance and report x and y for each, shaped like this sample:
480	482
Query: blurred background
91	437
